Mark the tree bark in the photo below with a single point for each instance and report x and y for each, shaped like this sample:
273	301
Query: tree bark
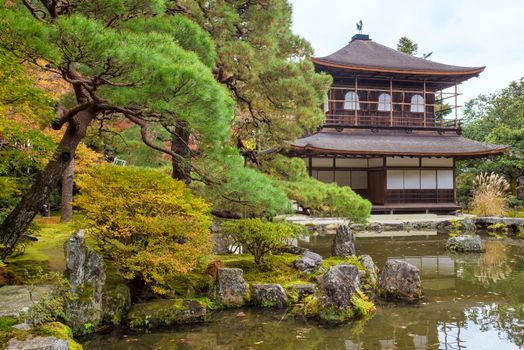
16	223
180	146
66	197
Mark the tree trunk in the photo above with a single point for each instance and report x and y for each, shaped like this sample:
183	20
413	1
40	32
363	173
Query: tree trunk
16	223
66	197
180	146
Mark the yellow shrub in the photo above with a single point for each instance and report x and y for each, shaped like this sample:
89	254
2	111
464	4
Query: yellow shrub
150	225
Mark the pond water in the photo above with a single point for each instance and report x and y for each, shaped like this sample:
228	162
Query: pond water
475	301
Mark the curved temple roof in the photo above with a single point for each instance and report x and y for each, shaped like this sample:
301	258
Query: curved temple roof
364	143
366	55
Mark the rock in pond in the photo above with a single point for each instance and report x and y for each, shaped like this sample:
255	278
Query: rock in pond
399	280
369	279
337	286
343	242
309	262
38	343
232	288
166	312
269	295
465	244
85	270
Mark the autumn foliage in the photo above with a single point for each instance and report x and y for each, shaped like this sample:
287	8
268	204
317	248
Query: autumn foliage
148	224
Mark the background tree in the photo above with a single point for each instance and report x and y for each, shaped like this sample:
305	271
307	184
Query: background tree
407	45
498	118
116	66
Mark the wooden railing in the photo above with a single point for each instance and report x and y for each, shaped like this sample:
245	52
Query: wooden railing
368	111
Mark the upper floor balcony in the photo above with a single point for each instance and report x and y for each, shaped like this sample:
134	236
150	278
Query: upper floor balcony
404	107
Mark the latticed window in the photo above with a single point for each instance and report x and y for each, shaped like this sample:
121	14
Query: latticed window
351	101
417	104
384	102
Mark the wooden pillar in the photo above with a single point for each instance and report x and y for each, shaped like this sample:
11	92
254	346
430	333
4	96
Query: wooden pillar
425	105
310	166
357	101
390	102
456	105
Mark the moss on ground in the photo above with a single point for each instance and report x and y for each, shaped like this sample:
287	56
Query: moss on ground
335	260
276	269
48	252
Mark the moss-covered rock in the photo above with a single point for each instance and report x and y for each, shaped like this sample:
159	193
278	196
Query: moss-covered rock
52	335
269	296
116	303
167	312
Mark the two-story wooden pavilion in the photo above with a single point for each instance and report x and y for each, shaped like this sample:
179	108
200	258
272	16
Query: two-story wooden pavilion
385	133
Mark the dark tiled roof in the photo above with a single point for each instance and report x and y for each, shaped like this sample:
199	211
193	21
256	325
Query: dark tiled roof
366	54
395	144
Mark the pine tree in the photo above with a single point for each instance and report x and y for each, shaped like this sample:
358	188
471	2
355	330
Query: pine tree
267	68
121	58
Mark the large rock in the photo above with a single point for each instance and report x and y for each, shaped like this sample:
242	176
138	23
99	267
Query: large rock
309	262
116	303
165	312
15	300
338	284
269	295
293	249
38	343
232	288
85	270
371	274
465	244
343	242
399	280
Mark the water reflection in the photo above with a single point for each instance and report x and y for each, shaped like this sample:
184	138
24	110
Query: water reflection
474	302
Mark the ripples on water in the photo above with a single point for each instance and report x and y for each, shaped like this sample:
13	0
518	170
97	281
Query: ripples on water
475	301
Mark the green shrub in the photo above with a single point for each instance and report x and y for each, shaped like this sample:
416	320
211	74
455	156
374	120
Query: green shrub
259	237
50	308
320	198
149	225
323	199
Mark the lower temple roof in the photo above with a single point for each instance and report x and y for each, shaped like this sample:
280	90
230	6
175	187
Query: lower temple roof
394	143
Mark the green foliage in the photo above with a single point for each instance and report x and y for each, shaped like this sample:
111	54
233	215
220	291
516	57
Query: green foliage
335	260
18	94
258	237
362	306
6	322
266	66
50	308
406	45
242	189
319	198
498	118
150	225
24	147
277	268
